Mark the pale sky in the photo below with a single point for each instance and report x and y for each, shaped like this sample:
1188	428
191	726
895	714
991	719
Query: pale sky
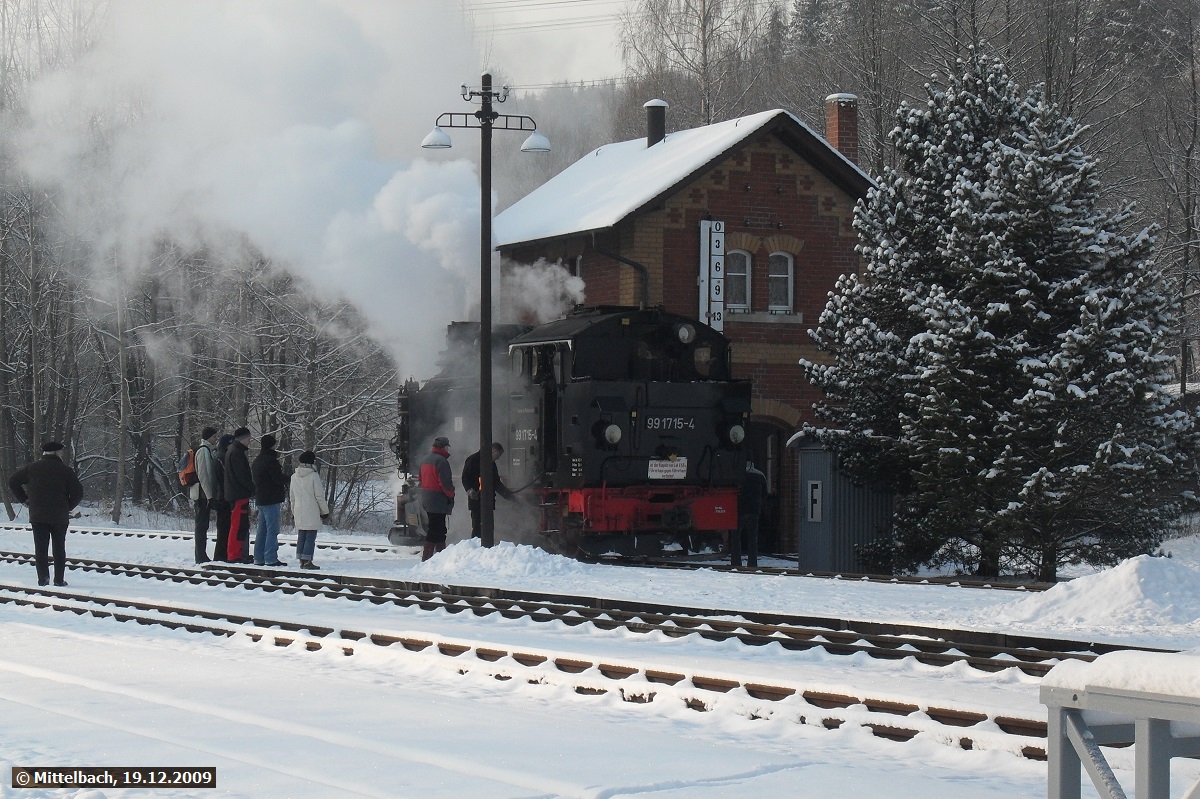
543	41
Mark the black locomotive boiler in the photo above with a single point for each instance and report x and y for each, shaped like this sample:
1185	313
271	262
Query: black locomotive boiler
623	424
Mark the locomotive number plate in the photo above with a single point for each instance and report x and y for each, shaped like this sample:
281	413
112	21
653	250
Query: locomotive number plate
670	423
668	470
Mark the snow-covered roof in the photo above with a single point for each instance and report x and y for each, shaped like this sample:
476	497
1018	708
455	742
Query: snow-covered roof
614	181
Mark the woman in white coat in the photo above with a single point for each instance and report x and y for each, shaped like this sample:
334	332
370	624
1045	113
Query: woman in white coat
309	507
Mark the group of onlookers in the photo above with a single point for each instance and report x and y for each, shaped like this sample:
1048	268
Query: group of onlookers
228	480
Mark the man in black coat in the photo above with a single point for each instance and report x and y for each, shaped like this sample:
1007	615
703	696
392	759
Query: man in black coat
270	490
239	487
51	490
751	498
473	484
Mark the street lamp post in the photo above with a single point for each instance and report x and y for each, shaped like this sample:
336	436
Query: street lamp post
486	120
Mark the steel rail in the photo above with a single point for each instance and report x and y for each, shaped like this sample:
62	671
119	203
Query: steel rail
642	562
333	545
790	571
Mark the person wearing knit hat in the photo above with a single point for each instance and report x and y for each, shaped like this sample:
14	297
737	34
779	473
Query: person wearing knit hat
51	491
270	490
204	489
309	508
239	487
437	495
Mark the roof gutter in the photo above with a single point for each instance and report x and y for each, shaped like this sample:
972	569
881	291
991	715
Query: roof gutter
645	273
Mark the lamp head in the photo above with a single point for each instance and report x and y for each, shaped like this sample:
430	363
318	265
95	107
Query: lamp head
436	140
536	143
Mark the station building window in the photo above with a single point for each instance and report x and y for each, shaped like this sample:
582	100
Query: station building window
737	281
779	282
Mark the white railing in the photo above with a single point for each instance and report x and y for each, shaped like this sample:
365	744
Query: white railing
1148	699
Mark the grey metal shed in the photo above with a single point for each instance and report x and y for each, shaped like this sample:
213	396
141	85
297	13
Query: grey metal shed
836	515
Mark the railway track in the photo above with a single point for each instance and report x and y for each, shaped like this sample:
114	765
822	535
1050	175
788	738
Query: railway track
894	719
992	652
788	571
332	545
642	562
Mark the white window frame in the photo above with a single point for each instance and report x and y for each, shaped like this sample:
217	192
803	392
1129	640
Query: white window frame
791	282
733	306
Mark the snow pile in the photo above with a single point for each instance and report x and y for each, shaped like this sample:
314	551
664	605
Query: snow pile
468	560
1140	591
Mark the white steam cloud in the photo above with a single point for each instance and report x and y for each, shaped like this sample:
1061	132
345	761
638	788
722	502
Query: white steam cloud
539	292
292	124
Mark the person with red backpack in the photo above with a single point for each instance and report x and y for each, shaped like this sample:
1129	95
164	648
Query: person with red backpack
203	490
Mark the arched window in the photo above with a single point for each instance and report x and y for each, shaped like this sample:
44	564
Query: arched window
737	280
779	282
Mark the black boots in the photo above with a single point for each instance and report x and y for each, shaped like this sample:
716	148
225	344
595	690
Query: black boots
308	564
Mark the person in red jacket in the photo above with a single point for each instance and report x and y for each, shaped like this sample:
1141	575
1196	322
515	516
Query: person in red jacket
437	495
51	490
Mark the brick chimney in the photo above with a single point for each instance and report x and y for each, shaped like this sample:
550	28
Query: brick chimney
841	124
656	121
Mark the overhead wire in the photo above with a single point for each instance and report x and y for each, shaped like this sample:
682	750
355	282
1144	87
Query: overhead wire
547	24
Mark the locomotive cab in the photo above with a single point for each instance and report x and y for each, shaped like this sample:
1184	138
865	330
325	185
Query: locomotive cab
629	422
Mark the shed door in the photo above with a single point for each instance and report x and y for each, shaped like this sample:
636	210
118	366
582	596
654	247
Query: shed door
815	523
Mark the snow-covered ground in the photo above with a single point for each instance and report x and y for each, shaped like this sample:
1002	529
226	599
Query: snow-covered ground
283	722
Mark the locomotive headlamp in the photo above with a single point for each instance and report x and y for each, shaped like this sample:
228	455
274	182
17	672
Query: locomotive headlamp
737	434
685	332
612	433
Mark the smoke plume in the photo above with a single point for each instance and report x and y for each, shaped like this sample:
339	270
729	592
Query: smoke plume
293	125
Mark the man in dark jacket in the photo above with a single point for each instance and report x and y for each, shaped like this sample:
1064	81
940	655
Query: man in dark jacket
473	484
750	504
270	490
437	495
218	503
239	487
51	490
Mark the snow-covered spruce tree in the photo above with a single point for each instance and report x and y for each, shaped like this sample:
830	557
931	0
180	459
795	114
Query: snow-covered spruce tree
1001	361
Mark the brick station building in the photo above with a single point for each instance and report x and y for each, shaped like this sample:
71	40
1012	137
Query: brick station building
636	220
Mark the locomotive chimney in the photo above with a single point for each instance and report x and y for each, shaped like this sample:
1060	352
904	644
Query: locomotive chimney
656	121
841	124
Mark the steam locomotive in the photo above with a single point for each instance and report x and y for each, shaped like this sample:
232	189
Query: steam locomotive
622	424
